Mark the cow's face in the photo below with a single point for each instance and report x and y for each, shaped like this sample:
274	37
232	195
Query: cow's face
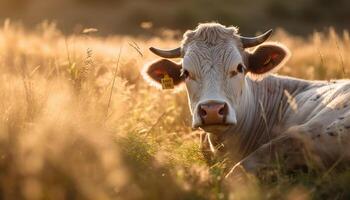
214	78
214	71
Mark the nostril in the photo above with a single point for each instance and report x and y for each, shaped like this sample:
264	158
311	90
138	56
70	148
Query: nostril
202	112
223	110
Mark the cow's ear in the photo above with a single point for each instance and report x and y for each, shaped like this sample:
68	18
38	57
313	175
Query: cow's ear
158	69
267	57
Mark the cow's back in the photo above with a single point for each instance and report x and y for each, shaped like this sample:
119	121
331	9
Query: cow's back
322	119
319	103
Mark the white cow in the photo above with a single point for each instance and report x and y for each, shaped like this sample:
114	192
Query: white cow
234	97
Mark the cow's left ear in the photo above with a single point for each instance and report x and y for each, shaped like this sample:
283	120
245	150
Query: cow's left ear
267	57
157	70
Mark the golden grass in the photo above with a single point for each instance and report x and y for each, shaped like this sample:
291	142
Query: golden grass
66	133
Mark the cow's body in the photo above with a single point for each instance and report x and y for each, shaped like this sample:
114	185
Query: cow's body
316	112
234	98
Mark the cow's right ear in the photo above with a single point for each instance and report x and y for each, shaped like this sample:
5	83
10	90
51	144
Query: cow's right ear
156	71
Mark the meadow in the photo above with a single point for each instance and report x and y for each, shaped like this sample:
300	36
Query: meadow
79	122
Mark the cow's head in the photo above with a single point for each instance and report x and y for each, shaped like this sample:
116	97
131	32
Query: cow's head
214	68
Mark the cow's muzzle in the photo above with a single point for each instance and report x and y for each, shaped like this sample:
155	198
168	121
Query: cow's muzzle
213	113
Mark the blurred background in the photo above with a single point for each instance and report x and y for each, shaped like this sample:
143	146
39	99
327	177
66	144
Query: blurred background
149	16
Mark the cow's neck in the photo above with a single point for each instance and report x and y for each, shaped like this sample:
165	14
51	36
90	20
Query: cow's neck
260	113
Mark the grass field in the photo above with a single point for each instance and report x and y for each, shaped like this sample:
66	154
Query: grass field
79	122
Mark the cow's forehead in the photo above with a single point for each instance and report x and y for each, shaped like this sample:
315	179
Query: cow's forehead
220	56
212	45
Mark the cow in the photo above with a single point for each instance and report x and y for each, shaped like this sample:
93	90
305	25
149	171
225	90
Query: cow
237	99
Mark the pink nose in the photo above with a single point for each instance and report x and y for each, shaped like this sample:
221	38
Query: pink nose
213	113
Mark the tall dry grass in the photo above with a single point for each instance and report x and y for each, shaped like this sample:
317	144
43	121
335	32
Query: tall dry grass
77	122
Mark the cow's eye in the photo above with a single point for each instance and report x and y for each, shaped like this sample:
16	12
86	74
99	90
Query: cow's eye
240	68
185	74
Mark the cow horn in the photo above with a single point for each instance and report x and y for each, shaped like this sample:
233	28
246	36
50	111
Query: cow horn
173	53
254	41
